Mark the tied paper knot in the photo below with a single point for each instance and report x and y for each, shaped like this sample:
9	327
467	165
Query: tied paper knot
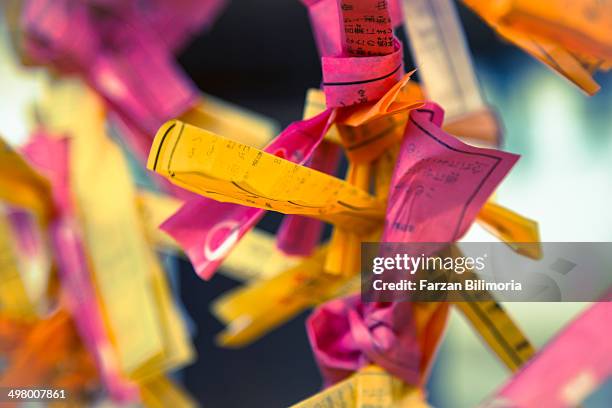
346	335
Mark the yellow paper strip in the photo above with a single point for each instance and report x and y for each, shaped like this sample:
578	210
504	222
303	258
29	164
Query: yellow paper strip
499	331
259	307
520	233
145	327
370	387
345	247
161	392
155	208
228	171
493	323
584	26
569	64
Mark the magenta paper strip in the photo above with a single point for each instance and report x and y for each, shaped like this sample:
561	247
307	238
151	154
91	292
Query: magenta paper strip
439	183
360	58
367	29
568	369
326	24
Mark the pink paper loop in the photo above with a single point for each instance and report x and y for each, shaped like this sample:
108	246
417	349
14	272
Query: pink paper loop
346	335
350	81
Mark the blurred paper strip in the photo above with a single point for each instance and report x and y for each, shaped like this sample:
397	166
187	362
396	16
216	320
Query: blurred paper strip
232	121
21	185
264	304
49	354
519	232
51	156
154	209
577	65
571	366
14	299
369	387
161	392
584	26
257	257
444	65
443	60
123	50
148	332
34	259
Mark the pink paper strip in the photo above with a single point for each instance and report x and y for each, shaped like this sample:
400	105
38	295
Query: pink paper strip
367	27
568	369
326	24
85	310
143	84
175	21
50	156
123	49
360	58
207	230
299	235
439	183
60	33
346	335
